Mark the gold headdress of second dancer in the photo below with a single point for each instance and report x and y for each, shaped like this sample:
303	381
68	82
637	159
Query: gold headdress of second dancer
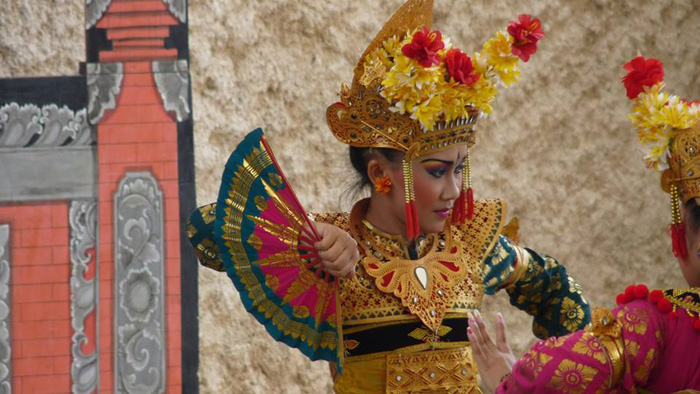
414	92
668	127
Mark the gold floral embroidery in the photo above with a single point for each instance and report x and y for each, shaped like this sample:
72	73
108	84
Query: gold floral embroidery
191	230
208	213
574	287
631	347
301	311
588	345
554	284
571	314
273	282
534	361
634	320
255	242
208	254
499	254
554	342
571	377
642	372
539	330
531	293
260	203
276	180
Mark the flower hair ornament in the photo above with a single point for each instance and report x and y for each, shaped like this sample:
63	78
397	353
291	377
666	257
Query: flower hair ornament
668	127
413	91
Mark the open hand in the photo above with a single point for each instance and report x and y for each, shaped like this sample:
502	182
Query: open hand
337	250
494	360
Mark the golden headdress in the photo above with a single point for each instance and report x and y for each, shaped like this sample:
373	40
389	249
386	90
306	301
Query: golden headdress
668	127
415	93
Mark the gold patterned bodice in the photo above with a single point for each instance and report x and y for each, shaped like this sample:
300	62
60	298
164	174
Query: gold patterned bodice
445	279
426	298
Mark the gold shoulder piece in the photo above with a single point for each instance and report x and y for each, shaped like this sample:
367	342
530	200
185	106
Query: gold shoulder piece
609	333
511	230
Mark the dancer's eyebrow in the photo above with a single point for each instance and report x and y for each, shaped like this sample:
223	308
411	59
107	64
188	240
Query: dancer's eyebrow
438	160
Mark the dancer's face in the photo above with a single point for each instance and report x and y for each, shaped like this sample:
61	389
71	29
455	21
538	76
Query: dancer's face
437	181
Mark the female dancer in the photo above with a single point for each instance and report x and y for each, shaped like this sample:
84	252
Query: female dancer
651	341
427	251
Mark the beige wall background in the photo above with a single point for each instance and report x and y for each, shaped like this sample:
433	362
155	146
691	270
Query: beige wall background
558	148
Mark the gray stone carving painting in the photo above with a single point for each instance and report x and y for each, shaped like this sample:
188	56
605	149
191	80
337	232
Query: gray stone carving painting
83	225
178	8
94	10
32	126
172	80
5	351
139	286
104	82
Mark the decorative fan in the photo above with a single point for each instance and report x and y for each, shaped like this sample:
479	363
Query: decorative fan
266	243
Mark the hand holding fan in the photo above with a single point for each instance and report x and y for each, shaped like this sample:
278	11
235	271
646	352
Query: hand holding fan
266	243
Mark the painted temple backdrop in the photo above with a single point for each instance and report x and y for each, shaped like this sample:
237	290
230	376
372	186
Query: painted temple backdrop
98	289
558	148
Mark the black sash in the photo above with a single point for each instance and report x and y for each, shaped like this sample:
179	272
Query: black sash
396	336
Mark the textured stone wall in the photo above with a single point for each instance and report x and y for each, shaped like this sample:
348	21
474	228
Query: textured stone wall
558	148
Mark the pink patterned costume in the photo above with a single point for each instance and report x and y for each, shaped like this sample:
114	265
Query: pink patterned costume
650	343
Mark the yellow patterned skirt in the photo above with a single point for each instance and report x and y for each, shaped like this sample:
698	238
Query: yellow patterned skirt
431	371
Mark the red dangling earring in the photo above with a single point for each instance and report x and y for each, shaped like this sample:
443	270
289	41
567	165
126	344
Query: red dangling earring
677	227
464	206
382	184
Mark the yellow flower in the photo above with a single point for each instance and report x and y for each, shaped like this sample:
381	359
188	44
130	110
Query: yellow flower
656	154
427	112
674	114
498	51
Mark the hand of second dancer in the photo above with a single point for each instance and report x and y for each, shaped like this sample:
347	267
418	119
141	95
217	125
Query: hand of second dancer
337	250
494	360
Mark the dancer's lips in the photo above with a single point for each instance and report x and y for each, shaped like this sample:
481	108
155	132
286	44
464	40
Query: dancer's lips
443	213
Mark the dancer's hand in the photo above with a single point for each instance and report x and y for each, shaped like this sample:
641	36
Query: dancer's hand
337	250
494	360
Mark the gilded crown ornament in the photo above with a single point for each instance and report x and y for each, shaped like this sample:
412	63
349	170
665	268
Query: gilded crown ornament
668	127
414	92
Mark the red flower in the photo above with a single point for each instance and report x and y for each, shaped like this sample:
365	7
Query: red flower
424	47
642	72
526	32
459	67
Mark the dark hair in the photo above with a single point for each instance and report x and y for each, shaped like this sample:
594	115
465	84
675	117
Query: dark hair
694	215
359	157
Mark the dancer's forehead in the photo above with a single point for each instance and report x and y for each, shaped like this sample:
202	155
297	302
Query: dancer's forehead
454	154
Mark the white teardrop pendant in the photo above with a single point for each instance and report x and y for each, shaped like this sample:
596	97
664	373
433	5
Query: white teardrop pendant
422	276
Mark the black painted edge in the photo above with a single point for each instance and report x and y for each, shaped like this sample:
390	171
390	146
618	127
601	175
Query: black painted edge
70	91
189	300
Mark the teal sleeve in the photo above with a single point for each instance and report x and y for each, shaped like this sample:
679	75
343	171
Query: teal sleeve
539	285
200	231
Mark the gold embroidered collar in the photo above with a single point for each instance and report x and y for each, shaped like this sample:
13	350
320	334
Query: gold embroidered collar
426	285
